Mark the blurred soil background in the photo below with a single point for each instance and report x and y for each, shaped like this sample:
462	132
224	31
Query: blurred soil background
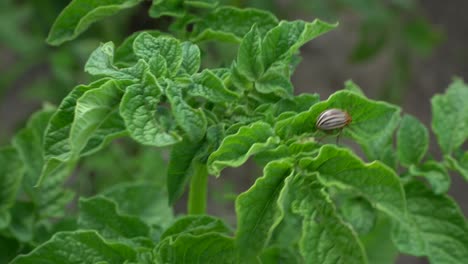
401	51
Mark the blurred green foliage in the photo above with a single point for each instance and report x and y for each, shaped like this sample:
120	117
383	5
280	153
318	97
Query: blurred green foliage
41	72
396	28
123	161
44	73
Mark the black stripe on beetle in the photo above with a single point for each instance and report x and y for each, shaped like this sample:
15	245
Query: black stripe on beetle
333	118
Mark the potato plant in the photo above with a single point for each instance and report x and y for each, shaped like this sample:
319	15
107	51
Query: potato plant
317	200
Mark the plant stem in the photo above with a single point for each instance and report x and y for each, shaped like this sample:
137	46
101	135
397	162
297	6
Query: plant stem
198	190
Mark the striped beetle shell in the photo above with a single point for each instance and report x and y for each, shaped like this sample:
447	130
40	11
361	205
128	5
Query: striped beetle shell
333	118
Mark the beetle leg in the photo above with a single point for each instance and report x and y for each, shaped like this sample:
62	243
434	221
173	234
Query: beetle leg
338	138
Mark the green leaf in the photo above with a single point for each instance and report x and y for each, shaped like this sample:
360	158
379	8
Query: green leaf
101	63
132	199
239	81
281	42
386	155
275	80
374	181
59	152
209	248
277	254
359	213
304	148
56	142
301	148
215	26
45	231
450	116
124	52
436	227
79	247
378	243
50	198
201	3
80	14
281	151
249	59
297	104
352	87
145	164
181	167
190	58
102	215
158	66
324	237
192	121
97	120
435	174
5	219
94	123
372	125
207	85
319	240
257	211
10	247
28	142
412	140
146	122
173	8
214	136
460	165
187	158
288	228
22	221
196	225
237	148
146	46
11	174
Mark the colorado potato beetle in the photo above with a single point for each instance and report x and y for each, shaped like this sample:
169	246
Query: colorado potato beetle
333	118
